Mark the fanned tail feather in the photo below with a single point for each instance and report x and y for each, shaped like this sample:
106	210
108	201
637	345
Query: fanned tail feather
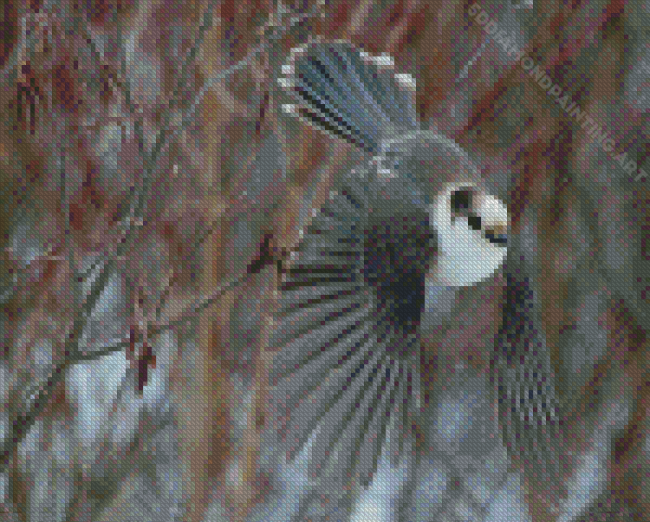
349	93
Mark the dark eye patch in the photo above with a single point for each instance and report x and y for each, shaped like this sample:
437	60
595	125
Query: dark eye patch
474	222
496	239
461	205
461	201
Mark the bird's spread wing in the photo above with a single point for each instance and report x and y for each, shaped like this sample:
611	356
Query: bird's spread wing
347	330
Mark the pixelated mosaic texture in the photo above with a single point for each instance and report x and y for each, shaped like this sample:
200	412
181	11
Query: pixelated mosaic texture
124	201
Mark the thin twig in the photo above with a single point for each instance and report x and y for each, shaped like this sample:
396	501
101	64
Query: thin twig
189	59
25	421
65	207
166	291
138	198
115	345
202	303
8	294
22	53
199	305
275	36
108	429
186	315
124	85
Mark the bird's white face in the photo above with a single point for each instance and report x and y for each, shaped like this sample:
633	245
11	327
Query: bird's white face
472	229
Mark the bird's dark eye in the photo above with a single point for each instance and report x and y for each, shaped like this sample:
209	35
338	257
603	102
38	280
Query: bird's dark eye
474	222
461	201
496	238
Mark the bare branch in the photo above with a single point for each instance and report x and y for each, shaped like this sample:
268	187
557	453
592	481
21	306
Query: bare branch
22	52
276	34
190	312
7	295
162	300
40	399
115	345
199	305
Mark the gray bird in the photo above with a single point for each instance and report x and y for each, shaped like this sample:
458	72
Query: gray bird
411	221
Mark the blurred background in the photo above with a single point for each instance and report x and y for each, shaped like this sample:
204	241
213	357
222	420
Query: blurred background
144	161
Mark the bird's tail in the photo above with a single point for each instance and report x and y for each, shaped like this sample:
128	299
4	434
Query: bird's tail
348	93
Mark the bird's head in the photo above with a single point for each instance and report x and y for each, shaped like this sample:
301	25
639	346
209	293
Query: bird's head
472	230
470	223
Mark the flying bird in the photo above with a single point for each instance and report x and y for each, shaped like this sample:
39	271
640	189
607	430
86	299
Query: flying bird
413	217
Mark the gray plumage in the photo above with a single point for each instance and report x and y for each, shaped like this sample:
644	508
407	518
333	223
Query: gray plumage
353	295
348	93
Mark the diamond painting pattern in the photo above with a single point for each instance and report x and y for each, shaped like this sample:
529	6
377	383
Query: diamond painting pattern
324	260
